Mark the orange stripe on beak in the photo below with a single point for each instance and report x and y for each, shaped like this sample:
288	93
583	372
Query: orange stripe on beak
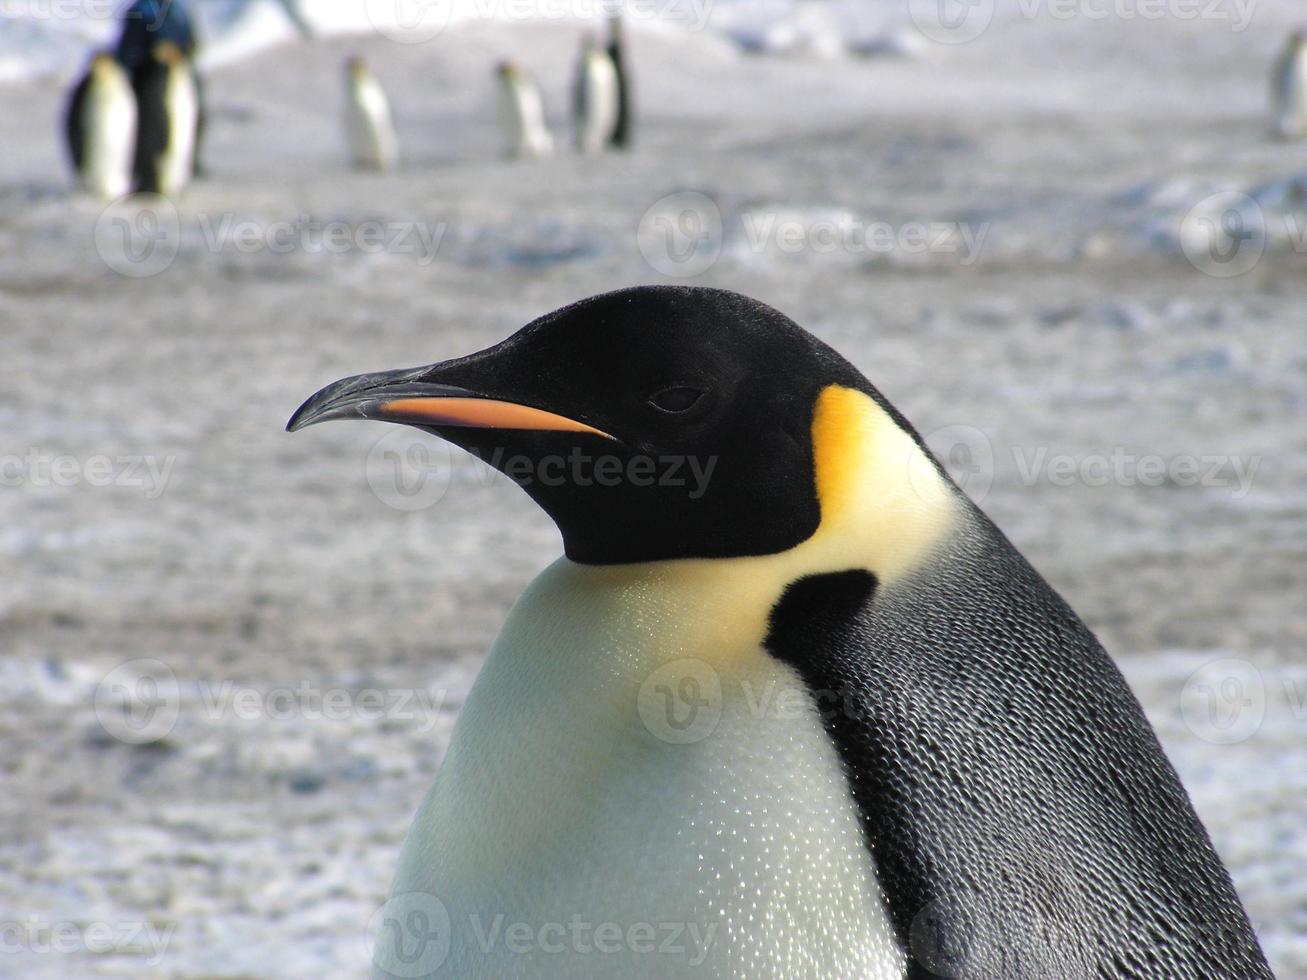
481	413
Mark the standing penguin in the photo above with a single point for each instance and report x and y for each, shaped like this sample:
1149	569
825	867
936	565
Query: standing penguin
369	130
100	125
168	110
621	137
526	134
1289	88
145	25
595	98
789	691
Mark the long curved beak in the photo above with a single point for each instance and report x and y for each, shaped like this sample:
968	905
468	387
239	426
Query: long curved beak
401	396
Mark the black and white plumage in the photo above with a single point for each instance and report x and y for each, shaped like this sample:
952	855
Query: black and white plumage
369	129
168	110
100	128
623	128
1289	89
522	114
595	100
917	760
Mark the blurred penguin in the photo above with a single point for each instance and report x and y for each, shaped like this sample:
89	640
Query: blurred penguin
523	110
1289	88
145	25
368	126
101	128
621	137
595	98
168	114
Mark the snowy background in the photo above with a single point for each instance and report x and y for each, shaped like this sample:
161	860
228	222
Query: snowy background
1063	243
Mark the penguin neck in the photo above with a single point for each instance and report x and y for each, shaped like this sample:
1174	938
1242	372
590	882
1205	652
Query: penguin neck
885	508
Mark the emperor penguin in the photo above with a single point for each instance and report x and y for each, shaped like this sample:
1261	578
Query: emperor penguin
595	100
101	129
145	25
1289	88
789	706
621	137
368	127
523	113
168	116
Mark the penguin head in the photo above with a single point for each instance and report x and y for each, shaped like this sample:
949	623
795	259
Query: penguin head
167	53
650	423
356	68
508	71
103	63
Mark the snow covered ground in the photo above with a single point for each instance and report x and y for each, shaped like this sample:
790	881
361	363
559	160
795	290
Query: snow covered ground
1065	247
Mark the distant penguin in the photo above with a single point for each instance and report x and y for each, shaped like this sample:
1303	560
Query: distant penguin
621	137
368	126
1289	88
145	25
101	128
810	705
168	109
595	98
523	111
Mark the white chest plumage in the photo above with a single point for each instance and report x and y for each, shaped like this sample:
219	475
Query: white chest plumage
632	759
523	112
1289	93
108	122
596	101
369	130
178	158
687	801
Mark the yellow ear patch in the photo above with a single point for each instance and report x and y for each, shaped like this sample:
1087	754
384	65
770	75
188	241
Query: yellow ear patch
880	495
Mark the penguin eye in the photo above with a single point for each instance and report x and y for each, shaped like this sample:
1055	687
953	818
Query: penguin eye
676	399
